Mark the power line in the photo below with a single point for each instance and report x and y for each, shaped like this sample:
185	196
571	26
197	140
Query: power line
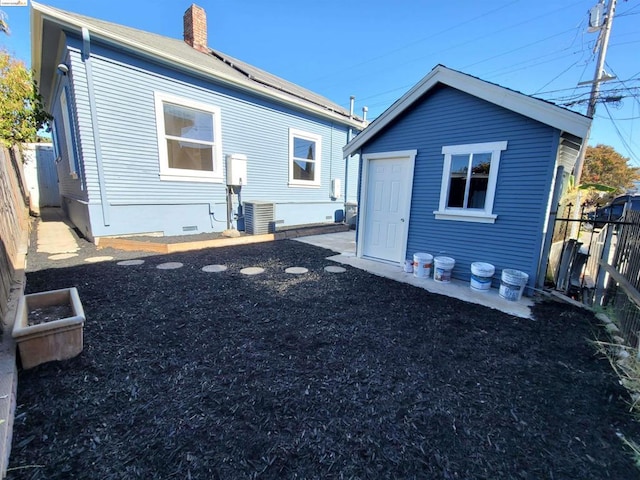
622	139
415	42
462	44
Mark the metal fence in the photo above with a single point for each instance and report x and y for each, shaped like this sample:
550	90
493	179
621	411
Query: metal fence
599	265
622	296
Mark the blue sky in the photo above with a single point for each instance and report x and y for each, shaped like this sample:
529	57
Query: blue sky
377	49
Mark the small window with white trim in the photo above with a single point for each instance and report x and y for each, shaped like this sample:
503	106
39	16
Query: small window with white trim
304	158
189	139
469	180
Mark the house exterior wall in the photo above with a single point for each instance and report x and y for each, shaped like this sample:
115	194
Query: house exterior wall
450	117
137	200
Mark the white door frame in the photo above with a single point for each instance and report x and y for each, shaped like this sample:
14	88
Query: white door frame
362	209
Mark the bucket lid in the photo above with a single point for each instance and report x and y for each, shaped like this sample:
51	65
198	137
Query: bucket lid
422	255
515	273
482	268
444	260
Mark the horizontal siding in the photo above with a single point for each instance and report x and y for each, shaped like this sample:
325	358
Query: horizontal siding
84	127
450	117
124	98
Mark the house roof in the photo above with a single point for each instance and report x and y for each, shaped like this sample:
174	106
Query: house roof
47	23
574	126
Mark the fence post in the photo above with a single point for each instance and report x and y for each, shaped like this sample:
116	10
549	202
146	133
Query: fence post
602	274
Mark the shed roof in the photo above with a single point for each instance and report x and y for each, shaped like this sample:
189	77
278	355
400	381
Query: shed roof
47	23
574	126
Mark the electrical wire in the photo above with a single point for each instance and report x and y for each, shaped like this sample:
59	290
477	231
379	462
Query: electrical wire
472	41
415	42
623	140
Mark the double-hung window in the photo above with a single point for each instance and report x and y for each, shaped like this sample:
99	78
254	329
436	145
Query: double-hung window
304	158
189	139
469	180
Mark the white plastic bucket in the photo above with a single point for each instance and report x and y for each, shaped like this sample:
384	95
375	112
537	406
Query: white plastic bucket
408	266
422	264
512	284
481	275
442	267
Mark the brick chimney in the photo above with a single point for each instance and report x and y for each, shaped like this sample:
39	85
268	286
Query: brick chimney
195	28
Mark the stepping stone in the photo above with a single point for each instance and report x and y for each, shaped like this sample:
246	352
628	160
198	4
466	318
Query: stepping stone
297	270
131	262
252	270
169	265
63	256
214	268
98	259
334	269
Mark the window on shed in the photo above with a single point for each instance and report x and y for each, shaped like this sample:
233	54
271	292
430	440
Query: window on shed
469	181
188	140
304	158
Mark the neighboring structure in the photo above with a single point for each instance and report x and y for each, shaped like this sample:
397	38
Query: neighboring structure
467	169
41	176
143	124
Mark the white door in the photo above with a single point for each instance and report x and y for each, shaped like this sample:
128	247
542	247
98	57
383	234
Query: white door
387	200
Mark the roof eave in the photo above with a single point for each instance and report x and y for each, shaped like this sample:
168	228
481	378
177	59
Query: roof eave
173	61
557	117
36	41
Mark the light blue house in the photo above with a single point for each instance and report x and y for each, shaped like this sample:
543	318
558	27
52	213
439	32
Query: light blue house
466	169
145	127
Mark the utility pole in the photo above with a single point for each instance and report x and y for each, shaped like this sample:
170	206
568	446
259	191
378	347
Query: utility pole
603	44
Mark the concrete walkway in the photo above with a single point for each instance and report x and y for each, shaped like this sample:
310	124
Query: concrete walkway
54	233
345	245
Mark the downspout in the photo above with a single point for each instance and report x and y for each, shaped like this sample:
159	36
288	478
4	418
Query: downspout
553	213
352	100
86	59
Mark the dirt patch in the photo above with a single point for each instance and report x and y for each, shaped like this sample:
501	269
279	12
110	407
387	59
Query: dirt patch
48	314
190	374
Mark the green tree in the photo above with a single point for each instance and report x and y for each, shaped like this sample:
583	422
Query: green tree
22	113
604	166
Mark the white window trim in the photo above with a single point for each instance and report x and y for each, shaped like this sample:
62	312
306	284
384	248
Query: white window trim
66	124
179	174
465	214
314	138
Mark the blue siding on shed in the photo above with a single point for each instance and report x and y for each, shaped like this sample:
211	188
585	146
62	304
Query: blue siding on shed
450	117
124	102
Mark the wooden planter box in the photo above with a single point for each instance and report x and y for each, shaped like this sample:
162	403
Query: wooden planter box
54	338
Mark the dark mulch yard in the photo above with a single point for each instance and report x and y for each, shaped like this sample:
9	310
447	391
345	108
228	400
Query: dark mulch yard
187	374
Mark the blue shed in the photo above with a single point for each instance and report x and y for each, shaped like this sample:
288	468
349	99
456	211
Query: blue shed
464	168
144	127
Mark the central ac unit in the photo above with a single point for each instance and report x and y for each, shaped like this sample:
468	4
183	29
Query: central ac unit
259	217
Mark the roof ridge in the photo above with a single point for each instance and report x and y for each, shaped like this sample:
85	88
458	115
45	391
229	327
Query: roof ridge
252	75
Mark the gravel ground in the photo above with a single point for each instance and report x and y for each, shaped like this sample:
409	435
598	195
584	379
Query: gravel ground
189	374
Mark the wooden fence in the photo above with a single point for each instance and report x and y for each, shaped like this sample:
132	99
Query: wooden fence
14	223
